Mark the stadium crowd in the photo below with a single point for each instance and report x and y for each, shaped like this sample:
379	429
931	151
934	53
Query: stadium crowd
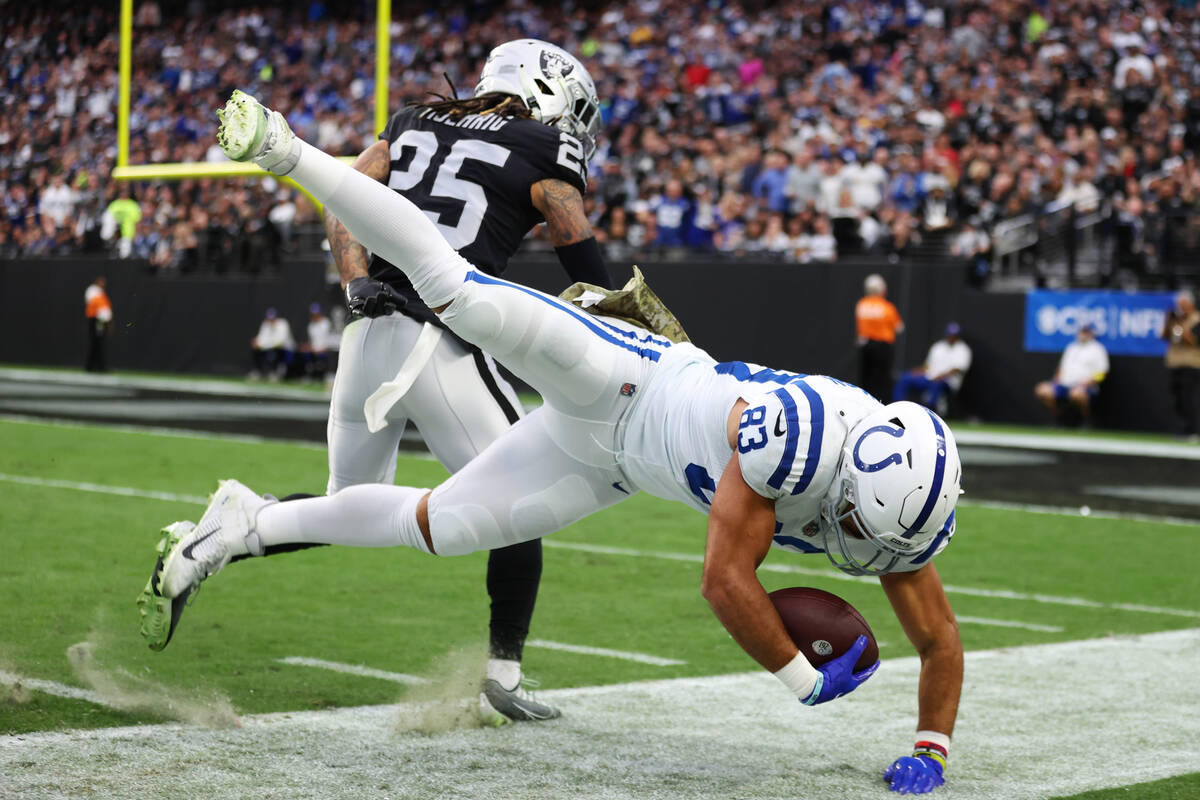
799	130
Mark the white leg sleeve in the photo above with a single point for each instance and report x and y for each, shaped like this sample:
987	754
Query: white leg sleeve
385	223
360	516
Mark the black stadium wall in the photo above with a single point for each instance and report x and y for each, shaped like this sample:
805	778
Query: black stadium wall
786	316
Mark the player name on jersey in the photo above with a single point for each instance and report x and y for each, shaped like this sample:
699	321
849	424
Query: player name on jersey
477	122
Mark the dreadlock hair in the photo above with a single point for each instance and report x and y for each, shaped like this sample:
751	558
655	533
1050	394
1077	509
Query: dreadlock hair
505	105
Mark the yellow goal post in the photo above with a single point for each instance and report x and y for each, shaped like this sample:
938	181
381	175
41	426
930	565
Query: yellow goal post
125	171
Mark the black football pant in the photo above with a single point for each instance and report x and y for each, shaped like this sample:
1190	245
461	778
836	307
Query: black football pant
1185	390
875	369
97	338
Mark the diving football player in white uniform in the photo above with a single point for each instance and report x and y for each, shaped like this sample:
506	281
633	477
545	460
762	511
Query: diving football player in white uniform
802	462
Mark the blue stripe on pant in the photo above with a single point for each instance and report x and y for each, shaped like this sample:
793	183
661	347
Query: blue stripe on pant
576	361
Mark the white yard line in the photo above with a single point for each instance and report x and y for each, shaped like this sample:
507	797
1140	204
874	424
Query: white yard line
1036	722
1008	623
583	650
54	688
123	491
354	669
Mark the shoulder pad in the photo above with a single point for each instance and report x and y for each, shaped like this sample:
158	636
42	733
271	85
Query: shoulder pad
784	445
552	153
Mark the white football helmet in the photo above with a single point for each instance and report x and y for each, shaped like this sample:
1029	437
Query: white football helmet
895	489
554	85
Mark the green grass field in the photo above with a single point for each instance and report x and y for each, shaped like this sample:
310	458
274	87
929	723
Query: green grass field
78	531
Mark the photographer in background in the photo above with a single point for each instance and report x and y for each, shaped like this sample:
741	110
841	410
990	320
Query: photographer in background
1182	334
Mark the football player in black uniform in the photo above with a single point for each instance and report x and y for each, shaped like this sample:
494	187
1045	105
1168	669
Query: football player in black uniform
485	170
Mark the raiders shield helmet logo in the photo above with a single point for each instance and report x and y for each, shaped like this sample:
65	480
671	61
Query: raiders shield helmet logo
554	64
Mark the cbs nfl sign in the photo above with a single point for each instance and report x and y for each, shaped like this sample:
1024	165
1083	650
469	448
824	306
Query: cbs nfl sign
1126	323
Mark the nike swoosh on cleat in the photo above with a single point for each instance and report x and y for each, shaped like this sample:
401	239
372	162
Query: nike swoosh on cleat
617	485
779	429
187	551
531	712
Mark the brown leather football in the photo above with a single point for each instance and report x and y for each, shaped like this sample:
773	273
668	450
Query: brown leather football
823	625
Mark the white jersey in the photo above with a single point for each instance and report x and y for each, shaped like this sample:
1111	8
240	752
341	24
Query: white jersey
790	440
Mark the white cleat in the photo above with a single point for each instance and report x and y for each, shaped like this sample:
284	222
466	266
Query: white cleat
226	530
249	131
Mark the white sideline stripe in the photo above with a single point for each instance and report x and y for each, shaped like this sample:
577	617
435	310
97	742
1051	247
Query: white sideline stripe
144	430
354	669
54	688
583	650
999	594
668	742
193	385
124	491
1081	444
1008	623
1074	511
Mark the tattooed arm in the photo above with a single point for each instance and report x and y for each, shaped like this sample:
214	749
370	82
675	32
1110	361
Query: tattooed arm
562	206
349	255
570	232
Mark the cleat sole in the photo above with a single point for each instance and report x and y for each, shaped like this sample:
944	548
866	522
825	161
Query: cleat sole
242	128
160	615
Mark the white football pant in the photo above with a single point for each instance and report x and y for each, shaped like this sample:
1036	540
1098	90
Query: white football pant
459	401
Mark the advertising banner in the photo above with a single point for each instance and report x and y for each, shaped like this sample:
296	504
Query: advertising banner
1126	323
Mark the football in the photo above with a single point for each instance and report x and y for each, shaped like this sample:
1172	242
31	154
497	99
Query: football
823	625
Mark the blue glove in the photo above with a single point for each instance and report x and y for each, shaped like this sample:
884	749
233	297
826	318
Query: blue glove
838	676
914	775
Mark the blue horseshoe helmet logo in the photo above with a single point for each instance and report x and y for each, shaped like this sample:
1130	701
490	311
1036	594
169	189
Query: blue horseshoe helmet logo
894	458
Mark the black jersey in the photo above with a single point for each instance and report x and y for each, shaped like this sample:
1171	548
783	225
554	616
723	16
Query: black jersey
471	176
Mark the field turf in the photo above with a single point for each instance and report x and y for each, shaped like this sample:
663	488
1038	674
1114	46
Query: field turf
82	507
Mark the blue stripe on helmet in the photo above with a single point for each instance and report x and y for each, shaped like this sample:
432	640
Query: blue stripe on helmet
939	473
946	532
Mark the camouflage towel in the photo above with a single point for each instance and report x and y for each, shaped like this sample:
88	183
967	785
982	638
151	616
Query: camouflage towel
634	303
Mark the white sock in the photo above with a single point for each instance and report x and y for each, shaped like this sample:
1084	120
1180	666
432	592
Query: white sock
504	672
372	515
385	223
